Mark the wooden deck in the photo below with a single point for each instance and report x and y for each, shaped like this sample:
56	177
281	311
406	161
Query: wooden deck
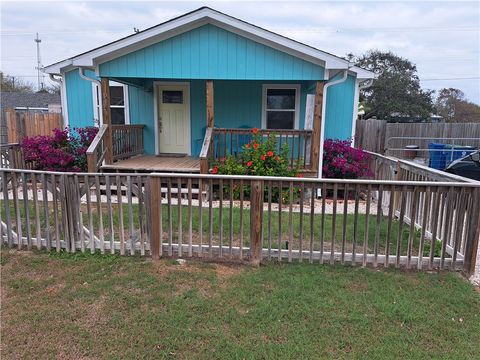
152	163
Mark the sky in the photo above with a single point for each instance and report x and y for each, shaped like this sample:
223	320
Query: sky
441	37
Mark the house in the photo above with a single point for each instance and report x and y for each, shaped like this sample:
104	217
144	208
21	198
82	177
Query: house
202	77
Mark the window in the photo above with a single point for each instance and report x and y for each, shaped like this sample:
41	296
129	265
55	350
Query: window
281	104
172	97
118	104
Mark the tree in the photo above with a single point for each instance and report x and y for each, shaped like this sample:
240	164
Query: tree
396	91
14	84
453	107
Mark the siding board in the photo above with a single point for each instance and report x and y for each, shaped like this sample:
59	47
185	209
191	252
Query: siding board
209	52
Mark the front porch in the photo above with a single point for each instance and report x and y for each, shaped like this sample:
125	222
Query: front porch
153	163
123	147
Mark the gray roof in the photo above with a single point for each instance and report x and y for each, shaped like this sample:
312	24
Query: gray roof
9	100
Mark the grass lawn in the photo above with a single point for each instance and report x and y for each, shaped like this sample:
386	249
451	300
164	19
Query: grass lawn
92	306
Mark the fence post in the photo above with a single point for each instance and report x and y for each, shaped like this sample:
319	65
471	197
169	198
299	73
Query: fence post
256	217
155	219
473	236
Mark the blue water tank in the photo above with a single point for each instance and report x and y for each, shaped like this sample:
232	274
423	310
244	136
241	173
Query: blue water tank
460	151
438	155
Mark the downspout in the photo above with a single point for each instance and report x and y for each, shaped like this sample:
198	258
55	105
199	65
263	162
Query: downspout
81	72
63	96
324	111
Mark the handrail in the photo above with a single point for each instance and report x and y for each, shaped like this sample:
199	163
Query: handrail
206	150
265	131
97	149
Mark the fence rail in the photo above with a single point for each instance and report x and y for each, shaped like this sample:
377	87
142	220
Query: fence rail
359	222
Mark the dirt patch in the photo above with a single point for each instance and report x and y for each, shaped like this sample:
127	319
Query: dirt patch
224	272
358	287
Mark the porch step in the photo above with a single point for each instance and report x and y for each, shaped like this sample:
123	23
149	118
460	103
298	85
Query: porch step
196	193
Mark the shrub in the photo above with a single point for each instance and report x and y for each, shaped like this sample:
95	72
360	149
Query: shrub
259	157
342	161
65	150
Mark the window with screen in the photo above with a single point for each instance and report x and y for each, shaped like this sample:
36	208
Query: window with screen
280	108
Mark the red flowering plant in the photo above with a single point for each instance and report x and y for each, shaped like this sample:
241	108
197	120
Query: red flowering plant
65	150
260	157
342	161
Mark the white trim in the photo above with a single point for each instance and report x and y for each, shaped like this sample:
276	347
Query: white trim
155	118
97	107
356	97
296	87
196	19
63	99
156	85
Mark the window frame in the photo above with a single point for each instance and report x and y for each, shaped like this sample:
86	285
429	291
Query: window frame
97	102
296	118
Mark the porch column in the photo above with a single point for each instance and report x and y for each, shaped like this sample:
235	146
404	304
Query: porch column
317	127
107	120
210	119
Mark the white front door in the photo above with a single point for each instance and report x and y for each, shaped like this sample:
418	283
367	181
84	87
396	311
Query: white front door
173	119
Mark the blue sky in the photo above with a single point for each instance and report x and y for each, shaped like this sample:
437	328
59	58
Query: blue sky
441	37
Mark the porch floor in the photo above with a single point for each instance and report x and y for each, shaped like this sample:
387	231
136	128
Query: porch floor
151	163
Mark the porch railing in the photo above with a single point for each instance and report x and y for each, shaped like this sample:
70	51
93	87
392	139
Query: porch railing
97	150
221	142
127	141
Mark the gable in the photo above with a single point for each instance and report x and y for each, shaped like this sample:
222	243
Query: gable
209	52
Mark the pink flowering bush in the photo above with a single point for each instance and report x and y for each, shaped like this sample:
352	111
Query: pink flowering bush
65	150
342	161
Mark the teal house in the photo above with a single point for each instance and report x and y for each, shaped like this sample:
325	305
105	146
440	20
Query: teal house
173	90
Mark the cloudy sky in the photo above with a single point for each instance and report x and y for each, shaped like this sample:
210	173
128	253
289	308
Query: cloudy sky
442	38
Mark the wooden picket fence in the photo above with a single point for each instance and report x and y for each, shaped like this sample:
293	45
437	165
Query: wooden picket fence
416	224
23	124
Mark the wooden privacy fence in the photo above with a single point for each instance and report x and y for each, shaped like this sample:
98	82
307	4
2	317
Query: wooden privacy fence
425	225
373	134
24	124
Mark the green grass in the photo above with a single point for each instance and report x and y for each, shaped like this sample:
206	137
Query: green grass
274	230
59	305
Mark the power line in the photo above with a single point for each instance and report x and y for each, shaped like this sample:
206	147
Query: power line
458	78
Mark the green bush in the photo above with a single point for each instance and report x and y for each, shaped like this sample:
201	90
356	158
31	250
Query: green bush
259	157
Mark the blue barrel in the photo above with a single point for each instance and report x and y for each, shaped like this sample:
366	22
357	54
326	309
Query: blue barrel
461	151
438	158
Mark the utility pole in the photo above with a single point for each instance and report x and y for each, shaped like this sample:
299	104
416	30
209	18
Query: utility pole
39	65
